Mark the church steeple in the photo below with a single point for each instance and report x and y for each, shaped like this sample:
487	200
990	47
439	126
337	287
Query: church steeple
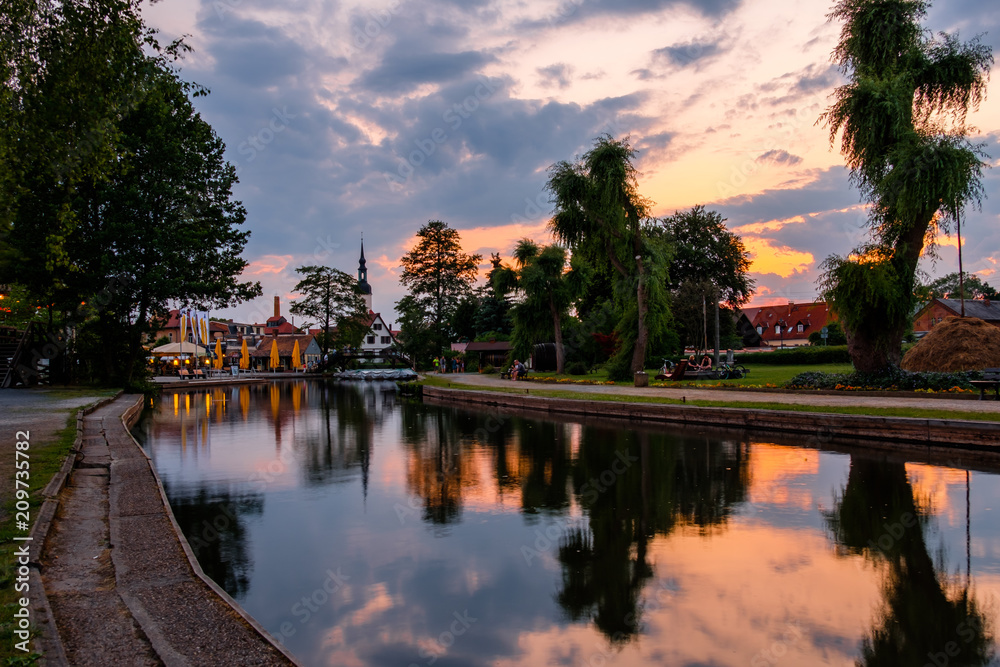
366	289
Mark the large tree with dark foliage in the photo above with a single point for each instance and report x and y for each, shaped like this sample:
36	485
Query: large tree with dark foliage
331	298
117	198
901	122
600	215
438	275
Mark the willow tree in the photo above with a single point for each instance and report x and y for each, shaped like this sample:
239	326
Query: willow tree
600	215
901	119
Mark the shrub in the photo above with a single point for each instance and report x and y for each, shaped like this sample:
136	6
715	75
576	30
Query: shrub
577	368
488	368
891	379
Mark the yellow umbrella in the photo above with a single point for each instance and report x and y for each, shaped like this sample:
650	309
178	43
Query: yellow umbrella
218	354
296	360
275	360
244	356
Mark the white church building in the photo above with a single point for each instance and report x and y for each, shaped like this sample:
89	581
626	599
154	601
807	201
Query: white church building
380	334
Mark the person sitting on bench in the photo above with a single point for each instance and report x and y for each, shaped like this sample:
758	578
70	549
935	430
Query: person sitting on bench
516	369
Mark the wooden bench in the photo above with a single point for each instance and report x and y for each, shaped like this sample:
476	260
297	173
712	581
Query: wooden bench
198	373
991	379
505	374
183	374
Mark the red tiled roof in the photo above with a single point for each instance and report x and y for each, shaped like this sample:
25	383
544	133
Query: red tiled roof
813	317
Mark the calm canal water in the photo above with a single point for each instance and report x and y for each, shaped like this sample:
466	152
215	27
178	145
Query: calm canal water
365	529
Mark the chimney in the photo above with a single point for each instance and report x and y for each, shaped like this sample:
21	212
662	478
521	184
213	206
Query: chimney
277	306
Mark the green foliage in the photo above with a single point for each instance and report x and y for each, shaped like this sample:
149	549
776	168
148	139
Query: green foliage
891	378
438	276
901	123
705	251
333	299
835	336
947	287
577	368
602	218
833	354
546	291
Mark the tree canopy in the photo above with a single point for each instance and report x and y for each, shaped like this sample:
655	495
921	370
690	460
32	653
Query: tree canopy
901	119
117	199
438	275
600	215
547	290
947	287
333	299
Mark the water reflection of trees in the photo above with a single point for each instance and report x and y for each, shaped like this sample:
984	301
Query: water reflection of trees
214	523
632	485
635	485
926	615
344	440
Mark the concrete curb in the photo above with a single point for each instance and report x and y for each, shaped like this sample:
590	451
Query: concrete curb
128	419
954	434
48	643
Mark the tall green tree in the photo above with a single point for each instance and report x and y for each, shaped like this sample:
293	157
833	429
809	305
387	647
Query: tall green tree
163	228
547	290
333	299
438	275
705	249
901	119
600	215
973	287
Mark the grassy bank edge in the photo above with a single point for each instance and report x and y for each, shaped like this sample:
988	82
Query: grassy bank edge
918	413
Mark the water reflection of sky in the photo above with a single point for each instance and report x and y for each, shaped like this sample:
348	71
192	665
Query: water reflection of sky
365	531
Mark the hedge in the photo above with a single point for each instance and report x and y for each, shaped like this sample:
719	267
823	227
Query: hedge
796	356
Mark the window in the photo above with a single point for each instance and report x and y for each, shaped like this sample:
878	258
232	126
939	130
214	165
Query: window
377	326
760	330
386	340
371	340
171	337
800	328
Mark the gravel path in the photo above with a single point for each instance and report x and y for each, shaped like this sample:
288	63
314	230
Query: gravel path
735	395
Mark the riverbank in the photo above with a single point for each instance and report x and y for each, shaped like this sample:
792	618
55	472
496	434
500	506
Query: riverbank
812	414
121	583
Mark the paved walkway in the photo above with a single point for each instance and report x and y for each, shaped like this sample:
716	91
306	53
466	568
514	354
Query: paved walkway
734	395
118	580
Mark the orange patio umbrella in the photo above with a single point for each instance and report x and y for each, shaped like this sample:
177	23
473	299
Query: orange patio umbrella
275	359
244	356
296	356
217	363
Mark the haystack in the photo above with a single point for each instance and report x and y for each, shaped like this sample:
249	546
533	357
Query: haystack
956	344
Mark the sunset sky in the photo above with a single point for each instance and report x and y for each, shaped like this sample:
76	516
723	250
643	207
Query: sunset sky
351	118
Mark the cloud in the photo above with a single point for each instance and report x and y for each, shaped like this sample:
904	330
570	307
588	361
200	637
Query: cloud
559	74
574	11
402	70
781	157
689	53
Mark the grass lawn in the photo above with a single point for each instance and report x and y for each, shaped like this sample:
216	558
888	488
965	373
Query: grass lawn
759	375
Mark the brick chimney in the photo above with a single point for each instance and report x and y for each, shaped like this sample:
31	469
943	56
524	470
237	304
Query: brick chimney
277	306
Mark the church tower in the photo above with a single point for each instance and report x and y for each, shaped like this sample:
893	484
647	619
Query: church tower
366	289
